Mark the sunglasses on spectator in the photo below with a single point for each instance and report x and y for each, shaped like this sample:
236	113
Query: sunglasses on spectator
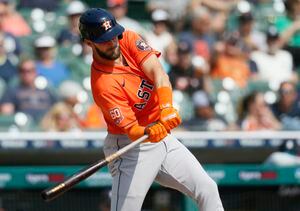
286	91
27	70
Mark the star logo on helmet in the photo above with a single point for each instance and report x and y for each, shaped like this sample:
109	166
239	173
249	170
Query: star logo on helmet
106	25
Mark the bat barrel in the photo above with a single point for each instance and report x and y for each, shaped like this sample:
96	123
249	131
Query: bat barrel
53	192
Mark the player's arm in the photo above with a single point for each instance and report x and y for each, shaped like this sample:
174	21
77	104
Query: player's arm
153	69
156	132
117	111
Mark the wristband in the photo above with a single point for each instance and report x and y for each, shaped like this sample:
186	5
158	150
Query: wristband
164	97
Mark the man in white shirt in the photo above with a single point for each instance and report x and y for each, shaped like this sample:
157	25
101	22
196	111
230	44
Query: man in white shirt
274	65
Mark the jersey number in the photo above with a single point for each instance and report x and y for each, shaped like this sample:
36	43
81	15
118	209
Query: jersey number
116	115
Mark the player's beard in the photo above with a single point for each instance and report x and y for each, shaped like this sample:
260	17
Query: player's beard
110	54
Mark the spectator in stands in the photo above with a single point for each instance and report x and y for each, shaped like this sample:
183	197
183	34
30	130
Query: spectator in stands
289	26
160	38
255	114
47	65
11	43
205	118
7	69
274	65
59	118
220	10
200	35
179	10
232	62
215	5
27	96
250	37
11	21
185	76
42	4
118	9
287	107
12	46
69	93
175	8
71	35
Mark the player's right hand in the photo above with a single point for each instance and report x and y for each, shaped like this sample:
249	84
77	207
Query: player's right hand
170	118
156	132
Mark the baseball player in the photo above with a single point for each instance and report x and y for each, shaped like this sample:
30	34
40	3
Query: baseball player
135	96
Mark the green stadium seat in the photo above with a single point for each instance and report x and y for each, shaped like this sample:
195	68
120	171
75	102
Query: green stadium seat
6	121
259	86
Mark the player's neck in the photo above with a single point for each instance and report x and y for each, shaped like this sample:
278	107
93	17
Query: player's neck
108	62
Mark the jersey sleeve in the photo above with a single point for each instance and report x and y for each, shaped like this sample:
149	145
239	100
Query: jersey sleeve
116	110
138	48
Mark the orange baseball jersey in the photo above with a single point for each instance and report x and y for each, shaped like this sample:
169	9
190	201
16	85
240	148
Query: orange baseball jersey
124	93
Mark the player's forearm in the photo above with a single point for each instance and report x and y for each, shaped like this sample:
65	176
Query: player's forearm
161	80
155	72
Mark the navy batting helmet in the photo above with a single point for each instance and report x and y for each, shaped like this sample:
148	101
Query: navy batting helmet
98	25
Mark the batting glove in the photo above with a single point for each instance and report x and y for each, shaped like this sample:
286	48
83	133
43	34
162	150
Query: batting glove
156	132
170	118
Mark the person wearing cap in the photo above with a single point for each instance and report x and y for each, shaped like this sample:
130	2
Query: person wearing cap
159	37
47	64
184	75
135	95
251	38
70	35
119	9
27	95
274	65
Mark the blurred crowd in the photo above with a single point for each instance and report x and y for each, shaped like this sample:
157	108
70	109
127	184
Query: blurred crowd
233	64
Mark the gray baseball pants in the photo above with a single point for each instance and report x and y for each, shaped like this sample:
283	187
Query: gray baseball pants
167	162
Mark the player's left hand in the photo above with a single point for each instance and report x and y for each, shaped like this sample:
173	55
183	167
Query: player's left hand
170	118
156	132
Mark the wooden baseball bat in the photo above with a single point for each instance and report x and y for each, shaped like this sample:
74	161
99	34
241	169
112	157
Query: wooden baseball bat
55	191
